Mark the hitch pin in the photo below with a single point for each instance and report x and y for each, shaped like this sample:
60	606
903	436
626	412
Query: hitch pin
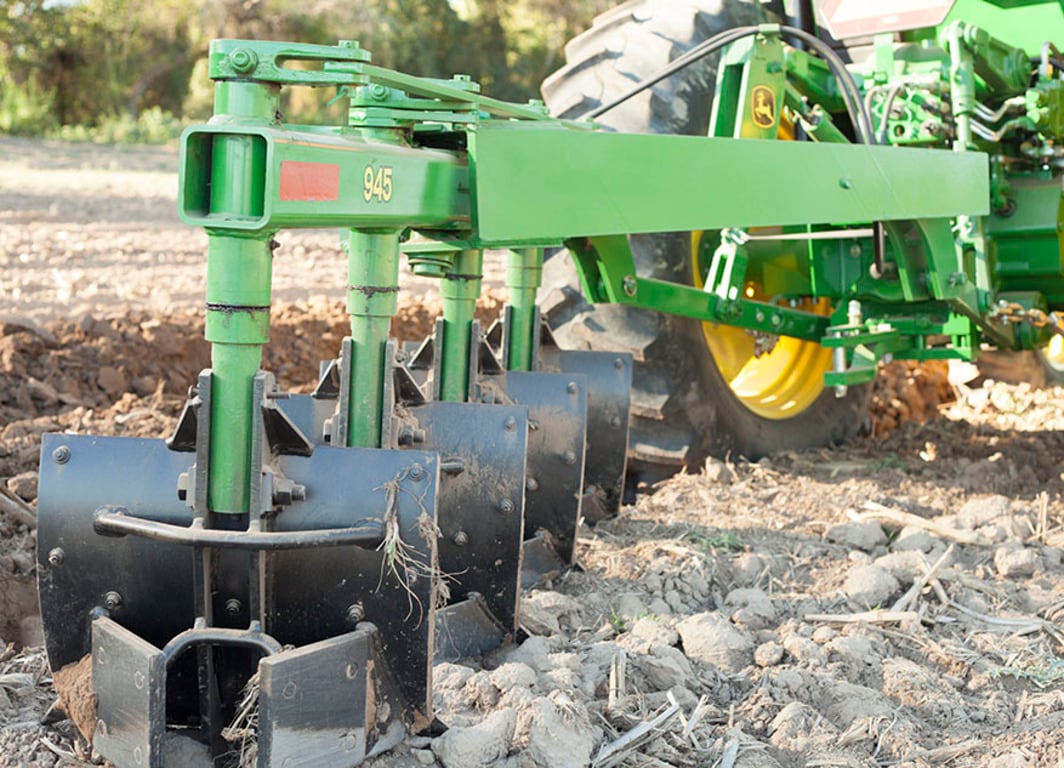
838	354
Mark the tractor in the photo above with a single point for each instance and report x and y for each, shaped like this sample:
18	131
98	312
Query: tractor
719	222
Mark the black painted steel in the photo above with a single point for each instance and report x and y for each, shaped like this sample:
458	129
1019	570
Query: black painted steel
327	704
253	638
116	521
467	628
482	452
123	574
609	381
557	412
129	679
311	594
540	560
481	515
315	594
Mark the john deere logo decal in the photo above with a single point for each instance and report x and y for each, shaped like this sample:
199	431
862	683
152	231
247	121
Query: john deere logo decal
763	106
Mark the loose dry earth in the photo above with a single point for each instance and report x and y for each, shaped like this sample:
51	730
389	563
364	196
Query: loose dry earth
891	602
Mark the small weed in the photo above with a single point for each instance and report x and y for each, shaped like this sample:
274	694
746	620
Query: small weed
617	622
1042	675
890	461
727	540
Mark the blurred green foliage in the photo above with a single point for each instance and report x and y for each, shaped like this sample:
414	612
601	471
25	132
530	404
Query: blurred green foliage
135	70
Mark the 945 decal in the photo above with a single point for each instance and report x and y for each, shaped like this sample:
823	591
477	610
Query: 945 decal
377	183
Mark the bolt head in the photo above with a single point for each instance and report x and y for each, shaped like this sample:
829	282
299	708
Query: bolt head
461	538
510	424
506	506
532	484
572	388
416	472
56	556
243	60
356	612
112	601
61	455
233	606
569	457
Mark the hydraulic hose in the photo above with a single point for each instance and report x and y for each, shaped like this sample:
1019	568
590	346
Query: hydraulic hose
855	108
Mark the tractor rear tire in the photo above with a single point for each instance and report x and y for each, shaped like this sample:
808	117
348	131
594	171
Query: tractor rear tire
683	409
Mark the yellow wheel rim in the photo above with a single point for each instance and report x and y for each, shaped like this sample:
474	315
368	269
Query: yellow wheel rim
1054	353
779	384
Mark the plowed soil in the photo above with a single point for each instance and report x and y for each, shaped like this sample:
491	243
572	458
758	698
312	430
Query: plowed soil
895	601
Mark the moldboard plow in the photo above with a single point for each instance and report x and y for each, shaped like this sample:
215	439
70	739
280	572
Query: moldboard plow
326	549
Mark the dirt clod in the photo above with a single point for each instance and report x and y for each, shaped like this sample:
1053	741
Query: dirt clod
768	654
24	485
710	638
1012	561
868	586
864	535
556	732
477	746
73	684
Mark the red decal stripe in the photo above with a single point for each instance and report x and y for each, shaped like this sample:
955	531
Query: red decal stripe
315	182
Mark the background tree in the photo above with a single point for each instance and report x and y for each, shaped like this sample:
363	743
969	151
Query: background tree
89	61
